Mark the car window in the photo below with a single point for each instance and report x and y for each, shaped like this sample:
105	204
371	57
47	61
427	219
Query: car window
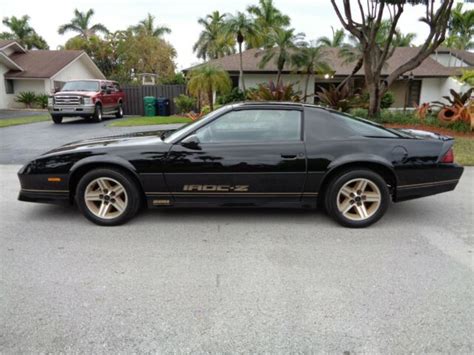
116	87
253	126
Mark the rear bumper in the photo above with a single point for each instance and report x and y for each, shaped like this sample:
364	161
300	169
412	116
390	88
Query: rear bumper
448	182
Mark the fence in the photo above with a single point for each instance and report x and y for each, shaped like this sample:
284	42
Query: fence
134	96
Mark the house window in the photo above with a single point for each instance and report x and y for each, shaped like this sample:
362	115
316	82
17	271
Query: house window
9	88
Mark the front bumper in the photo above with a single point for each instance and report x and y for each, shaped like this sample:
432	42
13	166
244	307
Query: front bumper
75	110
44	196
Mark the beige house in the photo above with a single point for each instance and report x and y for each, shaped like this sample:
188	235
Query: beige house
428	82
39	71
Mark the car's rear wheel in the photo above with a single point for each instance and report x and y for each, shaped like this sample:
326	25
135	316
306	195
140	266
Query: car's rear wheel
357	198
107	197
119	113
98	114
57	119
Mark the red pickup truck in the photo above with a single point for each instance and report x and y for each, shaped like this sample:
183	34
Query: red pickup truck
91	99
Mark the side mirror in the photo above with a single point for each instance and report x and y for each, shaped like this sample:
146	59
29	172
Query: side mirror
191	142
108	91
56	89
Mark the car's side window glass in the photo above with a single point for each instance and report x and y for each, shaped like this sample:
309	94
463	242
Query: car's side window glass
253	126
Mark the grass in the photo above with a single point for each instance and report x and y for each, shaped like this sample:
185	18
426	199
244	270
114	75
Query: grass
146	121
464	151
7	122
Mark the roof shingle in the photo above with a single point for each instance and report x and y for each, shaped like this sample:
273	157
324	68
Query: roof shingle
252	57
41	63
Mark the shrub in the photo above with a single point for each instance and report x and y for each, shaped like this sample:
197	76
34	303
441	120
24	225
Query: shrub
274	92
336	98
207	109
184	103
26	97
236	95
387	100
360	112
42	100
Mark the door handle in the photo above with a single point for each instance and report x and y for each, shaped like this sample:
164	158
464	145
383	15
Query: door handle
288	156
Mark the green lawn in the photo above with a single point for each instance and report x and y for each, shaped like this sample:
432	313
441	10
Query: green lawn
464	150
7	122
146	121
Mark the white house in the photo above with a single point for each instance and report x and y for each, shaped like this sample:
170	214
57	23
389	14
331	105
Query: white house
39	71
428	82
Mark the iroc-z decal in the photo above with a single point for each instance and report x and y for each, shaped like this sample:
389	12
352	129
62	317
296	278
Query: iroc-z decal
216	188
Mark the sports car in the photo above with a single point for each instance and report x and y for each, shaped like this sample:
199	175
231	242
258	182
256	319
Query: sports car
248	155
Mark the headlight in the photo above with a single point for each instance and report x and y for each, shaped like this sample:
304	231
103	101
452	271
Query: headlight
50	101
87	100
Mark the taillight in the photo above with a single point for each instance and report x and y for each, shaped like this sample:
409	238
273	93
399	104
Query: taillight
448	157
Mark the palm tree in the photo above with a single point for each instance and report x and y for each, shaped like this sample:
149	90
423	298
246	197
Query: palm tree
244	29
209	79
23	33
213	42
461	29
147	27
337	40
268	17
81	25
310	60
281	46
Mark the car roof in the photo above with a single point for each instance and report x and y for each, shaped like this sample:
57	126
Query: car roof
277	104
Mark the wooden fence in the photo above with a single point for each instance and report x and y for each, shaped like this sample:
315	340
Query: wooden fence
134	96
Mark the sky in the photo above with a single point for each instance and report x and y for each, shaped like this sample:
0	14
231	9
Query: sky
312	17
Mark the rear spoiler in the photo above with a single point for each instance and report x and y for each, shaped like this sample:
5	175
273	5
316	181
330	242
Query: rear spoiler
426	135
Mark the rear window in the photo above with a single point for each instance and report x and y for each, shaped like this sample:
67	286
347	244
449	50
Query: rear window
323	124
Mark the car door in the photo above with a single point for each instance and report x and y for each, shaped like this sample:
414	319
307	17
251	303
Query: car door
249	156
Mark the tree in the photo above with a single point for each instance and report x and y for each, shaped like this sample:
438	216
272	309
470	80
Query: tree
337	40
147	27
281	46
310	60
267	19
209	79
80	24
461	29
213	41
23	33
244	29
364	19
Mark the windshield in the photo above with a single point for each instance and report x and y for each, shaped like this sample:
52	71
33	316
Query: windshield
81	86
184	130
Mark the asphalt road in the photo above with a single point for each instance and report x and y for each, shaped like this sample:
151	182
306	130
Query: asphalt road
19	144
237	280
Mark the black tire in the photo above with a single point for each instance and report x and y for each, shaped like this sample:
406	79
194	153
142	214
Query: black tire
133	196
57	119
119	113
358	201
98	113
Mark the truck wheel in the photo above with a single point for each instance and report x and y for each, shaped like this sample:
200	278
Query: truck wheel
57	119
357	198
97	117
108	197
119	113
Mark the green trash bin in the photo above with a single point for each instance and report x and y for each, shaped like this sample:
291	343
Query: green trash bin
149	102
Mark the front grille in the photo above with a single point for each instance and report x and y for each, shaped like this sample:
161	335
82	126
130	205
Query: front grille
67	100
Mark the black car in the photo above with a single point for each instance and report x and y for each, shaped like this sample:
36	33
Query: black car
248	155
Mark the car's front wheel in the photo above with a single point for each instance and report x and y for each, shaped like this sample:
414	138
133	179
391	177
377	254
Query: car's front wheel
357	198
97	117
107	197
57	119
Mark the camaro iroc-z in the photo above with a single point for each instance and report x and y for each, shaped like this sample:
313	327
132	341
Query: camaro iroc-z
248	155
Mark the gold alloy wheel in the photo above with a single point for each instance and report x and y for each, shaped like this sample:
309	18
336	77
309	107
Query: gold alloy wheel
106	198
359	199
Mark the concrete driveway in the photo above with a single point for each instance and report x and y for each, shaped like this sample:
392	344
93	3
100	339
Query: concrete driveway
20	113
237	280
19	144
275	281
